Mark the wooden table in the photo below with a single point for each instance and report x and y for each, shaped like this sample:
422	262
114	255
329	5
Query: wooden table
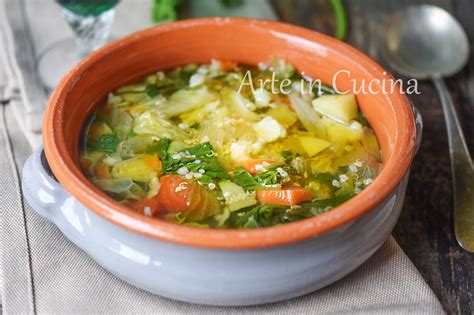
425	229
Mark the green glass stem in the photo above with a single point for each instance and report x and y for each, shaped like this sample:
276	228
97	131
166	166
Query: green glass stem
90	31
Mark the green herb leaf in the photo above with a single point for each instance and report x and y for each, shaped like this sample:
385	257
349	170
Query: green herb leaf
151	90
325	178
160	147
273	175
198	159
270	177
105	143
267	215
168	87
182	74
202	149
327	204
244	179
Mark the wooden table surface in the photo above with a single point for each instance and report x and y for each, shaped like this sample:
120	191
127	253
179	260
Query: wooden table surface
425	229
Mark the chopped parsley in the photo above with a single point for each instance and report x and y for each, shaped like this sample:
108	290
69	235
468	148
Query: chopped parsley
244	179
105	143
268	215
160	147
271	176
199	161
151	90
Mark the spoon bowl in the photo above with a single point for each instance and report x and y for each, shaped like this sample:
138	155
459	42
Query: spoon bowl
425	41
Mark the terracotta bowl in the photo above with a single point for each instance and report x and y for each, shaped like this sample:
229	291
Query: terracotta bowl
234	264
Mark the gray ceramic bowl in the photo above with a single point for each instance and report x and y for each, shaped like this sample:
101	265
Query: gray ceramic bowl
218	267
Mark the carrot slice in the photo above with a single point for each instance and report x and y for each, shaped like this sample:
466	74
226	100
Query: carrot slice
254	166
284	197
283	99
102	171
150	206
174	193
178	194
153	162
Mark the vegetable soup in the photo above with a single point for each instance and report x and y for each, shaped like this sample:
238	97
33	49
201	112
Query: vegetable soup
202	145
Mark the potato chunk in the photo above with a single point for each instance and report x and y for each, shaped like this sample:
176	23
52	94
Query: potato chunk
342	108
313	146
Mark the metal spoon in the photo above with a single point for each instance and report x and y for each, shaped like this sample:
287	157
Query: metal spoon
424	42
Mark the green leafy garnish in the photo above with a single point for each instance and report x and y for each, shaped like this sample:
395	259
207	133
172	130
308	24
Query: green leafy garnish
325	178
244	179
168	87
267	215
271	176
160	147
151	90
184	73
323	205
202	149
200	159
254	217
105	143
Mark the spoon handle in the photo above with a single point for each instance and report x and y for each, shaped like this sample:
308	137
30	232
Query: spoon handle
462	172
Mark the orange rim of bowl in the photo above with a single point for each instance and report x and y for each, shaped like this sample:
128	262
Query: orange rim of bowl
62	164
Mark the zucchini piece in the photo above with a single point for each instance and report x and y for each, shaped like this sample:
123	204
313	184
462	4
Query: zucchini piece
235	196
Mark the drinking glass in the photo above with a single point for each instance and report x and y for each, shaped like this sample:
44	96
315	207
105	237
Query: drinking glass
90	21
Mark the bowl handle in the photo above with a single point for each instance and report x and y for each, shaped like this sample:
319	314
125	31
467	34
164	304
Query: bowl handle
40	188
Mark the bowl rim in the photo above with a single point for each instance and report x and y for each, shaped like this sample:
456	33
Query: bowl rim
61	162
